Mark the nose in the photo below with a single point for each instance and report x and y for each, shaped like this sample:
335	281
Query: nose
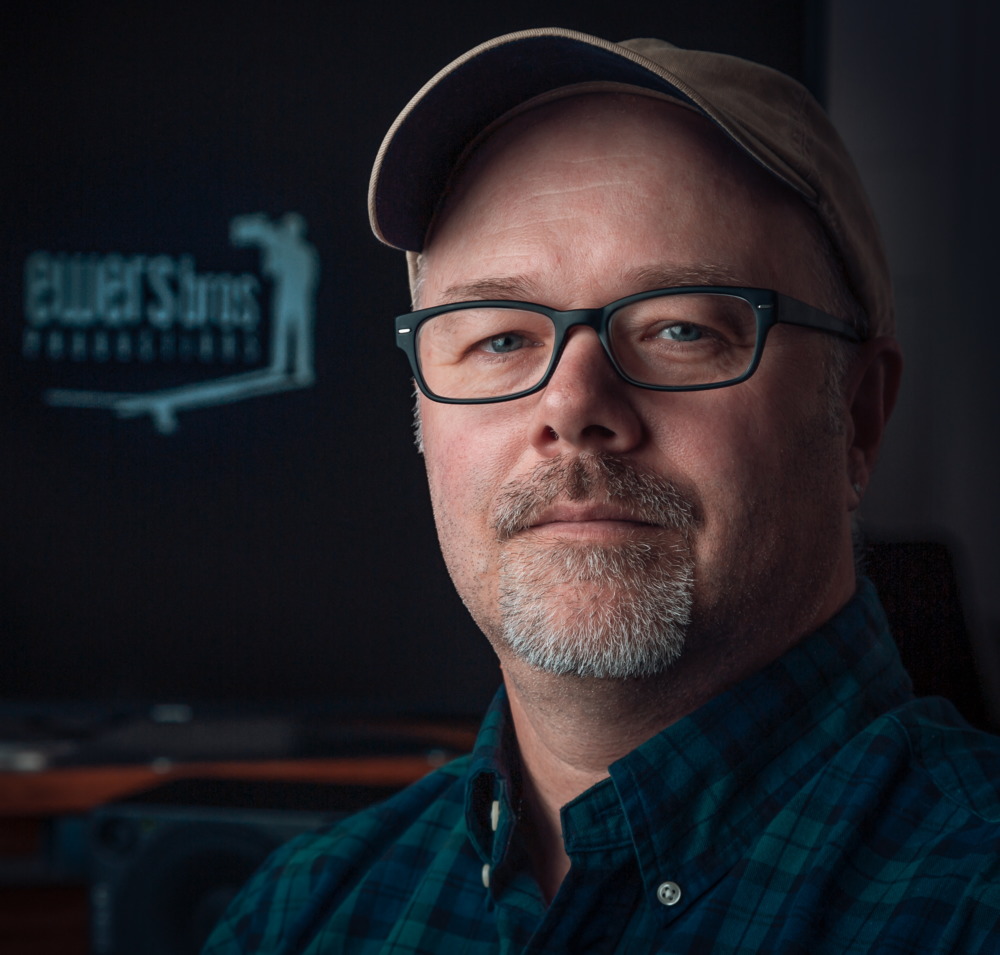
586	405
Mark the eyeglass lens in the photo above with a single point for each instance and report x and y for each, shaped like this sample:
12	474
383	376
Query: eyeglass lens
681	339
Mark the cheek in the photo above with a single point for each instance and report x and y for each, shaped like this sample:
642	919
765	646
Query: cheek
465	467
465	462
744	452
715	441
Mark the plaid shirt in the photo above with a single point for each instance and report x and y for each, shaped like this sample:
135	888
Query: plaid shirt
814	808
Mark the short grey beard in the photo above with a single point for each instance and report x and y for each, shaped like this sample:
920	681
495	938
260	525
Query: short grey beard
614	612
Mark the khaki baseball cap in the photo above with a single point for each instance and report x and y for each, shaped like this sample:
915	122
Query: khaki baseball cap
770	116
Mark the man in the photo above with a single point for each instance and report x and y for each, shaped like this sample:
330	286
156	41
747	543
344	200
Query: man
654	347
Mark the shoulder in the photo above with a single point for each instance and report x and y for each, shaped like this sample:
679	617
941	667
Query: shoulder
919	823
916	781
315	871
894	843
961	763
921	771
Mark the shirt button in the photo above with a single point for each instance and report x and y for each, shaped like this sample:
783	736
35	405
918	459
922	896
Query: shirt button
495	815
486	876
669	893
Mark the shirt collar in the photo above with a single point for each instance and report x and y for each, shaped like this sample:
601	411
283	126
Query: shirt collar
493	783
703	787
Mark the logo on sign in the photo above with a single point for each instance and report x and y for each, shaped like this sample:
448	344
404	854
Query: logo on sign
127	309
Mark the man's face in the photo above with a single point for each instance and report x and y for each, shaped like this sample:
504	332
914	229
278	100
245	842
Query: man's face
566	515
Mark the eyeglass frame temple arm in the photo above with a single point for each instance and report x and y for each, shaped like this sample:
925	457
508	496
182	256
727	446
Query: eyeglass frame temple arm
792	311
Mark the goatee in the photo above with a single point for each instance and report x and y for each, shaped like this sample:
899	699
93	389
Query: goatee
616	611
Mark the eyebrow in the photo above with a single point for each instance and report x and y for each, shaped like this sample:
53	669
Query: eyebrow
641	279
506	287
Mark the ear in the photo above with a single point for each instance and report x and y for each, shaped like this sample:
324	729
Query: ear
870	395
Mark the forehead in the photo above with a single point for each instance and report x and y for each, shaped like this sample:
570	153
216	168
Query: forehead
614	181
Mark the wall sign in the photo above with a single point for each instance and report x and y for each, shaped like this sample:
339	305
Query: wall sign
160	310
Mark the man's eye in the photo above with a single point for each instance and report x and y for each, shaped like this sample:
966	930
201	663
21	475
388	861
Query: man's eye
502	344
680	332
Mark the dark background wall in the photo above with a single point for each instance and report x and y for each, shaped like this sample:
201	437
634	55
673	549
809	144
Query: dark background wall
914	89
280	548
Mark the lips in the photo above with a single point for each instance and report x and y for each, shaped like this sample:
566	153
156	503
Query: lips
590	490
580	512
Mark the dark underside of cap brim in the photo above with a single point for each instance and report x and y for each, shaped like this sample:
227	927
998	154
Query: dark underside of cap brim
419	158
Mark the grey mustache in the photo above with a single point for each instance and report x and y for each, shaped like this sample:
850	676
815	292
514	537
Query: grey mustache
600	478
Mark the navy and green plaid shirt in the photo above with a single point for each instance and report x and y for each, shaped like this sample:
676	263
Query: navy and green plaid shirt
814	808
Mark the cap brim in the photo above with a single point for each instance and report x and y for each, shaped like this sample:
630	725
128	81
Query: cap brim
422	147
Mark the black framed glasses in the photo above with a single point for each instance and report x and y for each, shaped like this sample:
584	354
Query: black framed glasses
690	338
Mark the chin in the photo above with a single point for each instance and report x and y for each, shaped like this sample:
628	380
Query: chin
618	612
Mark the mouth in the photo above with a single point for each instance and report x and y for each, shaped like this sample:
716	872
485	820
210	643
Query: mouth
583	513
589	522
592	497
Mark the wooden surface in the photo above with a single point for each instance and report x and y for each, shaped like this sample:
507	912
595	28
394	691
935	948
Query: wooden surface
65	791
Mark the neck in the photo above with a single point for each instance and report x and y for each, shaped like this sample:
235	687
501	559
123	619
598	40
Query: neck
569	731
